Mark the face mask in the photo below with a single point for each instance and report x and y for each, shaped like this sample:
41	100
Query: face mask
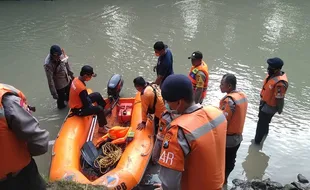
174	112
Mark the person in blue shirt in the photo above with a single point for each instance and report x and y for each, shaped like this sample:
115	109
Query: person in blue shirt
164	66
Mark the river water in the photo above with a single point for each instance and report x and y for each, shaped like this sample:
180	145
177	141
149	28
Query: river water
117	37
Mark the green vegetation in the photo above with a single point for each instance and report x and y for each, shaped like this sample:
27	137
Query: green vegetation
70	185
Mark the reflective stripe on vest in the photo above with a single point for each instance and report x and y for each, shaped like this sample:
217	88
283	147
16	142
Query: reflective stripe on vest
236	123
268	91
15	155
205	131
197	133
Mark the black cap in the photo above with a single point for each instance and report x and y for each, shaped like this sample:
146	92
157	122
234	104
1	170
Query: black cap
176	87
196	55
55	49
275	62
87	70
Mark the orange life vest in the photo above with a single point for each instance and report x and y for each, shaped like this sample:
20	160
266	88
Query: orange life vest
14	152
267	93
152	101
118	135
236	124
203	67
77	86
205	132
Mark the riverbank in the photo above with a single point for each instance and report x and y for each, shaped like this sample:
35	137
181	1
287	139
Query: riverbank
302	183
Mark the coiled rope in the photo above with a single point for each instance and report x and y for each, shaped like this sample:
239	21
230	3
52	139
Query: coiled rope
111	154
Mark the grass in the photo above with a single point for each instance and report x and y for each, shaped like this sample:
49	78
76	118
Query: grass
70	185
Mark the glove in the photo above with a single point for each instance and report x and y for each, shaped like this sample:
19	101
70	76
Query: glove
155	68
55	96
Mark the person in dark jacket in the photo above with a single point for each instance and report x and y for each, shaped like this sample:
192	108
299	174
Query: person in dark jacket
164	66
59	75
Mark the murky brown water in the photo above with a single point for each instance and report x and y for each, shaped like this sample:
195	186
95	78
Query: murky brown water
117	37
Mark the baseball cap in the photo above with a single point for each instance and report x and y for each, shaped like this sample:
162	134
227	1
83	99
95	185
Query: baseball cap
55	49
196	55
87	70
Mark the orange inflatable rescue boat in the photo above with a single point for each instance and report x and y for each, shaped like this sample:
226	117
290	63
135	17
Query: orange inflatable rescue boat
67	162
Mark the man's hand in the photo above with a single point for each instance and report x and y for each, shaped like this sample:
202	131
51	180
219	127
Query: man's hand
141	126
158	186
55	96
155	68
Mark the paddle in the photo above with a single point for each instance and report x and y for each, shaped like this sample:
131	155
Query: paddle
89	151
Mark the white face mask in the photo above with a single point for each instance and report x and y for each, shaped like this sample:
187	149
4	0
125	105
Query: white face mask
174	113
174	116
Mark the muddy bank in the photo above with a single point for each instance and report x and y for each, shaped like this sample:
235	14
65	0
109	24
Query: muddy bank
302	183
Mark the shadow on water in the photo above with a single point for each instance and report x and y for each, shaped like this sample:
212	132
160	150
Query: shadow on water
256	162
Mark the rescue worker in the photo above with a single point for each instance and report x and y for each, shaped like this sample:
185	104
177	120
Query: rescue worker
272	97
59	75
80	101
151	100
234	106
193	151
21	138
199	76
164	66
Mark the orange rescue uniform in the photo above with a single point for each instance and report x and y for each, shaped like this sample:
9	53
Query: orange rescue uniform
274	88
148	100
236	118
76	88
15	155
205	132
196	80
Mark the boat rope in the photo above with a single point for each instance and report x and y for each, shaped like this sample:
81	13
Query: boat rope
111	154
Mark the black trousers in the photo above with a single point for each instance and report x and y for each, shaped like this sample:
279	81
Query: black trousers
156	124
98	110
27	179
63	95
231	154
262	128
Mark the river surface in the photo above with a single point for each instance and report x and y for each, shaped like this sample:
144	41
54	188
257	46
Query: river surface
118	36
